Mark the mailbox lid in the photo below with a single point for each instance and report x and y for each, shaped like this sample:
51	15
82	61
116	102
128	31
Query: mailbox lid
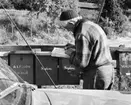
67	72
23	65
50	66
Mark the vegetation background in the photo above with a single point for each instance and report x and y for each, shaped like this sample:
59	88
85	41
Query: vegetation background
36	21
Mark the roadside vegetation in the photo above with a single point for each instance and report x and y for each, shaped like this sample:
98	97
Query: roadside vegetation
36	20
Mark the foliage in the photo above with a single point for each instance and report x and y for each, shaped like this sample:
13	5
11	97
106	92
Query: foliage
113	18
127	4
38	25
113	15
52	9
33	21
6	4
122	83
113	10
122	4
3	36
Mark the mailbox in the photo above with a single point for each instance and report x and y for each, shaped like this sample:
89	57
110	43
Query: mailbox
50	65
22	63
124	68
67	73
125	63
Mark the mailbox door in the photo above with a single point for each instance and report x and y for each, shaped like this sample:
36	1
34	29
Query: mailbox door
67	73
124	65
23	65
50	66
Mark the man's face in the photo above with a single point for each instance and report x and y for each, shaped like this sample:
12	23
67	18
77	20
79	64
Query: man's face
69	26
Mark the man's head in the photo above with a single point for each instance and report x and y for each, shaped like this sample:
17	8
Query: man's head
68	18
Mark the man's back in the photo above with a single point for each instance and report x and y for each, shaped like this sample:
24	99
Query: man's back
95	42
101	52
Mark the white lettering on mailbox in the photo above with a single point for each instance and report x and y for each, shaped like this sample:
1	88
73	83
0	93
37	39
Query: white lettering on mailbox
125	66
69	68
128	74
21	66
46	68
23	72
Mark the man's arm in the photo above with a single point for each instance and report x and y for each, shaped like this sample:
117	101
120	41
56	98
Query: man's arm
69	45
82	55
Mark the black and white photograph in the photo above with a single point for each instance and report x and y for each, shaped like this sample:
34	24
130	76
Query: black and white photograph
65	52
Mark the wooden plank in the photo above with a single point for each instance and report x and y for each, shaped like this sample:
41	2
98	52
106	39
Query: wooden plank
88	5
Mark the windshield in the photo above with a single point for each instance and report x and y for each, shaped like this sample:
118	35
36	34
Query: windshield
7	79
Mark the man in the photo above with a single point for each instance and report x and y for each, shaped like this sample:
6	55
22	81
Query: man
91	52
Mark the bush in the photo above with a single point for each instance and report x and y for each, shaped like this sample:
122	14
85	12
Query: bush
114	12
3	36
6	3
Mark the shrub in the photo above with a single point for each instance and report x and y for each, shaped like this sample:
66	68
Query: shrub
3	36
6	4
114	11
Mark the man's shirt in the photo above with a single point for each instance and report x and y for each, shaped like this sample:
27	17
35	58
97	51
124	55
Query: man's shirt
91	45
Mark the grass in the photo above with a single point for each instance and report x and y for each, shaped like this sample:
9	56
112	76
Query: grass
37	29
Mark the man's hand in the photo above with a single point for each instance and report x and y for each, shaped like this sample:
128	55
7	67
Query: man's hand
69	51
68	45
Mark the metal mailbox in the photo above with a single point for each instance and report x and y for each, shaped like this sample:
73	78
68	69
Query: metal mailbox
50	66
124	69
67	74
22	63
125	63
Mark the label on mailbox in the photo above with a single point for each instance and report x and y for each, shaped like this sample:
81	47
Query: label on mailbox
125	63
23	65
50	66
67	72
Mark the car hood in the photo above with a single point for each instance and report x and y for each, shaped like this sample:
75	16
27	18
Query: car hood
79	97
